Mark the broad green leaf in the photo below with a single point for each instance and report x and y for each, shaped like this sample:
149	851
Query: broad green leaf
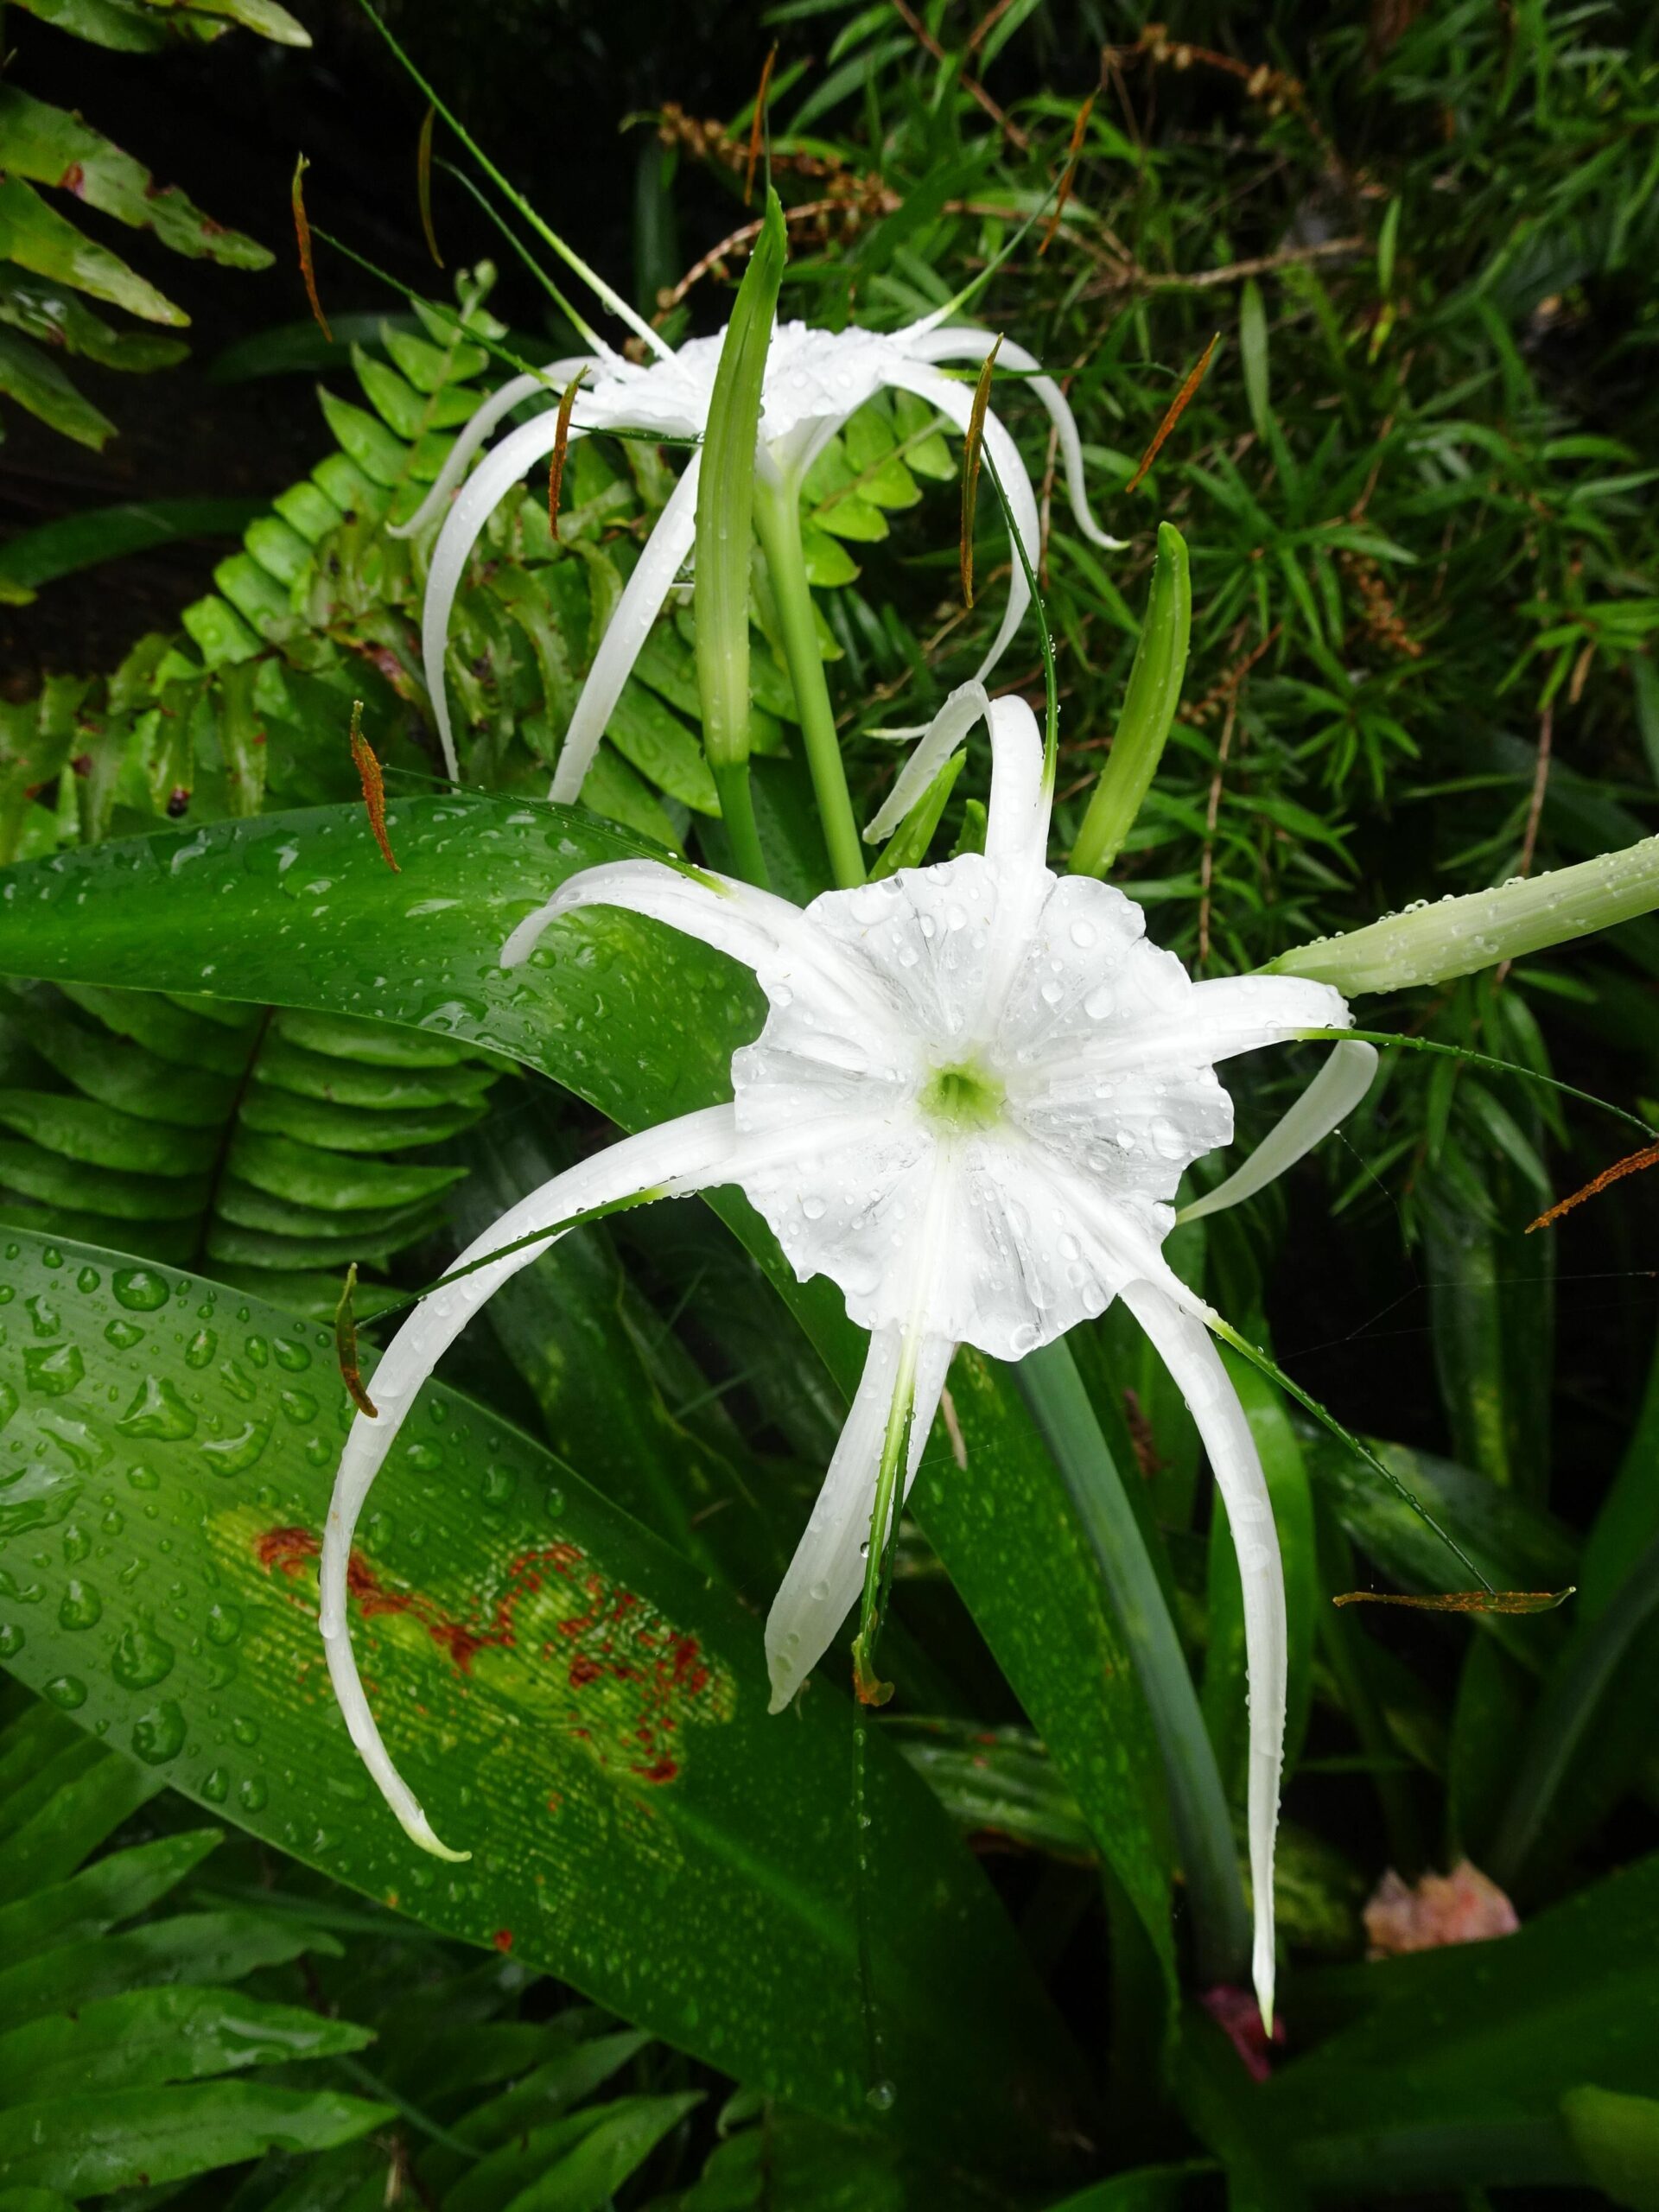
111	1889
50	146
1617	2139
196	1946
38	239
96	533
300	909
176	2033
87	2146
1450	2075
642	1827
34	380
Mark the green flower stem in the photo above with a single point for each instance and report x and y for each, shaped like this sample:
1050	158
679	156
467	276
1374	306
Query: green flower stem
884	1526
778	519
737	813
725	516
1054	1390
1455	937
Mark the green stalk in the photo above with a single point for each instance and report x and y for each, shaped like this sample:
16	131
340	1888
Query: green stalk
1455	937
1221	1922
1150	705
778	519
884	1528
725	529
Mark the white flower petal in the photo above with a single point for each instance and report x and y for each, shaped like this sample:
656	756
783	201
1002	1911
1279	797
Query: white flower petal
1330	1098
827	1572
1209	1021
495	476
549	382
692	1153
764	932
955	402
664	554
956	342
948	729
1183	1344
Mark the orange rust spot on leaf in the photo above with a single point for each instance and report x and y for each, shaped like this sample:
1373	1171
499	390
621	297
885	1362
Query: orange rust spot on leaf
502	1939
641	1682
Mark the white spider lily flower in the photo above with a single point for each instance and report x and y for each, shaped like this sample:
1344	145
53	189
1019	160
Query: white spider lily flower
975	1092
815	380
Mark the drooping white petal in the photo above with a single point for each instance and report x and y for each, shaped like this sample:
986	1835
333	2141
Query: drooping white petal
662	555
1330	1098
549	382
827	1572
767	934
958	342
495	476
948	729
1183	1344
1016	831
955	402
692	1153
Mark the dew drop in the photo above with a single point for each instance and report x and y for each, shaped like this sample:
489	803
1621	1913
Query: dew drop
11	1639
234	1455
158	1734
251	1794
1099	1003
881	2096
55	1370
245	1731
123	1335
141	1659
66	1691
143	1478
215	1786
80	1606
157	1410
224	1623
139	1288
201	1348
814	1208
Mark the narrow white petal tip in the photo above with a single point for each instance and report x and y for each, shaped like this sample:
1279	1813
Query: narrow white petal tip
419	1830
1264	1998
782	1693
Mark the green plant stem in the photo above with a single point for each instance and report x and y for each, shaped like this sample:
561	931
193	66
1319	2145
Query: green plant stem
778	519
1054	1390
884	1528
737	812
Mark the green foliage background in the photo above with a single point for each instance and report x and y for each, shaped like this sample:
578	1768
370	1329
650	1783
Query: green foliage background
1417	486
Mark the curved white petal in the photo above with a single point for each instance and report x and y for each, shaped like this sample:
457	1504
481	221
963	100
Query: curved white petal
549	381
955	402
1330	1098
666	551
1016	817
488	486
948	729
1184	1347
1213	1021
692	1153
825	1576
767	934
959	343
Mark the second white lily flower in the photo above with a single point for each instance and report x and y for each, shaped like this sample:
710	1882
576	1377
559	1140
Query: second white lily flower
973	1099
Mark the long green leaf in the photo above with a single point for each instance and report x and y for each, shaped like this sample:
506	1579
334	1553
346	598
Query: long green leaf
145	2138
570	1697
299	909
